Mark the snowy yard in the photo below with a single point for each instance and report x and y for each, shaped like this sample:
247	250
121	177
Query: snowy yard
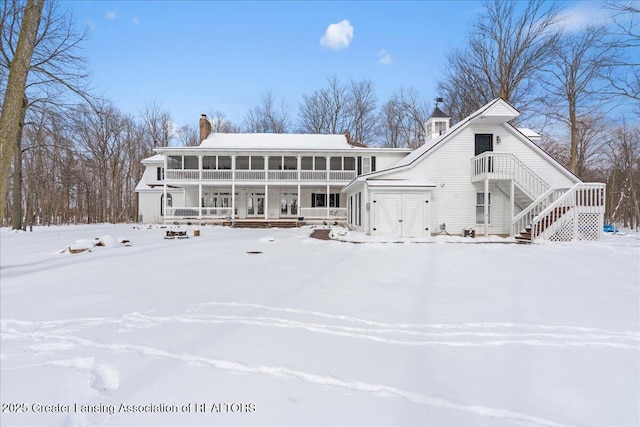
308	332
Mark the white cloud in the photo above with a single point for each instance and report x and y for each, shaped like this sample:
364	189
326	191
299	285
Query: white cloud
135	20
110	14
337	35
384	57
583	14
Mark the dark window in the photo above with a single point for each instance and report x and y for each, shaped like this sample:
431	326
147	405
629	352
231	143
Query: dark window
484	142
319	200
160	174
242	162
275	163
349	164
257	163
480	208
190	162
209	162
307	163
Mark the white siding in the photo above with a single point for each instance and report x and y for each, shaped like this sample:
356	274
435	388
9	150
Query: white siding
454	198
512	144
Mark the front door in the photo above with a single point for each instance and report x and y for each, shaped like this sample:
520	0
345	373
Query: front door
255	204
288	204
484	142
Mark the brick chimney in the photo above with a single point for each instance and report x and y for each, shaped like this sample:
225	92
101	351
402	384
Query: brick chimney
347	135
205	127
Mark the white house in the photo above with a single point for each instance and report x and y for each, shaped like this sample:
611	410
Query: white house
481	176
275	178
484	176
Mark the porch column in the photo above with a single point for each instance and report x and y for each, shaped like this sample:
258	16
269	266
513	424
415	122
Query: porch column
164	185
266	201
199	186
513	202
328	168
233	187
299	166
266	168
486	207
200	200
233	201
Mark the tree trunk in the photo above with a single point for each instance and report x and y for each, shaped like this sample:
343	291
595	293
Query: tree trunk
10	118
16	213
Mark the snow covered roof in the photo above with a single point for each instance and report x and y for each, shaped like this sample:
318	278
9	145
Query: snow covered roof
156	158
531	134
281	141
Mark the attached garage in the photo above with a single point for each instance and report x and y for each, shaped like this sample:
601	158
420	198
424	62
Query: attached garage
398	209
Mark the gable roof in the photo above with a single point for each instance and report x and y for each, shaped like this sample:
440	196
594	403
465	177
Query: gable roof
497	111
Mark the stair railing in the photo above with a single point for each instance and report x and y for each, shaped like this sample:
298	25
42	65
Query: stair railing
581	198
525	218
494	165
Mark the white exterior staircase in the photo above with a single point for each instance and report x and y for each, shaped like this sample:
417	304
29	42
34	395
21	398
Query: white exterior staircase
549	213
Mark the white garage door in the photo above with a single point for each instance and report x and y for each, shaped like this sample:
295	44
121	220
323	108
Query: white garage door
401	214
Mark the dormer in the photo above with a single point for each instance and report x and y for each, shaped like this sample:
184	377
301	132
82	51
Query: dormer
437	124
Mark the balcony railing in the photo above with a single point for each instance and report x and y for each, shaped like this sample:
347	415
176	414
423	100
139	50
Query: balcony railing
258	175
502	166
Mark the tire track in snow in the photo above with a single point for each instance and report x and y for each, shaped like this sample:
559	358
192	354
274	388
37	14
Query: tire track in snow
307	377
453	337
514	338
412	325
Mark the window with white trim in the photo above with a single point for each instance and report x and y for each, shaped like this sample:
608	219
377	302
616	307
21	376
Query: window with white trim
480	208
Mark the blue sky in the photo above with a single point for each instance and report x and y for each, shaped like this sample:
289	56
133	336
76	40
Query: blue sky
193	57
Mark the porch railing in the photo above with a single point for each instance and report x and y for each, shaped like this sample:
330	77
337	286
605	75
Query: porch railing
283	175
321	213
217	175
250	175
194	212
257	175
502	166
183	174
313	175
342	175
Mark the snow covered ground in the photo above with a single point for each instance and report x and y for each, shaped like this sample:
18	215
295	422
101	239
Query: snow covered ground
309	332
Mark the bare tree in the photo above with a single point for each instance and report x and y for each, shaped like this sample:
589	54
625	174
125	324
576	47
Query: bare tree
361	111
623	180
340	107
402	119
507	50
56	70
220	123
15	102
267	116
575	84
160	130
325	110
189	136
624	74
